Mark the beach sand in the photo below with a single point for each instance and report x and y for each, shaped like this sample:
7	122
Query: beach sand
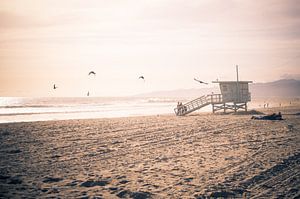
164	156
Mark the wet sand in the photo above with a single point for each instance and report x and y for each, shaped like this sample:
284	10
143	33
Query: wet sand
197	156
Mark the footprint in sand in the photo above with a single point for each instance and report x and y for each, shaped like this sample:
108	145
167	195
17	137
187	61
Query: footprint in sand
15	180
135	195
123	181
51	179
92	183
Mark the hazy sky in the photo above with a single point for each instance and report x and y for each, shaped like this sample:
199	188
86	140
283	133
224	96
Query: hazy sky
168	41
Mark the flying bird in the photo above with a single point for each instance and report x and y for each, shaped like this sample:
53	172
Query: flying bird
142	77
92	73
54	86
201	82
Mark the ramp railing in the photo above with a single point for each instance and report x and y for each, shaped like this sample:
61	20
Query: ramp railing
198	103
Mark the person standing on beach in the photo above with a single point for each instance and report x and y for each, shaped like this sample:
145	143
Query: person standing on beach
178	108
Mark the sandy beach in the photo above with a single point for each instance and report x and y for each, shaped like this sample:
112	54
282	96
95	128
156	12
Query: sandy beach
197	156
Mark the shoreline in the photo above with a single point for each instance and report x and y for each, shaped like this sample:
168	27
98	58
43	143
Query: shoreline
285	110
129	109
100	118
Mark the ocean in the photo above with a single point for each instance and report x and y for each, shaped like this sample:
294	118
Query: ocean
26	109
20	109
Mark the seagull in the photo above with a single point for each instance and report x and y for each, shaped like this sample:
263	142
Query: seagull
54	86
201	82
92	72
142	77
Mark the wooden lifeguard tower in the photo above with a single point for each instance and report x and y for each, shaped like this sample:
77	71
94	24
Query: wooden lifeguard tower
234	96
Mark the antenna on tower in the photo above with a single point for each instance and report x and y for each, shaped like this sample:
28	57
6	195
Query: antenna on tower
237	73
237	83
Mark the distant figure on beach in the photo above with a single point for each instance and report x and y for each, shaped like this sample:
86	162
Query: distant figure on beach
178	105
181	108
54	87
201	82
88	93
92	73
273	116
279	115
184	108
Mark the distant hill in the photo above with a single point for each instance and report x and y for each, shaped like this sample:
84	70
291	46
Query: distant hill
280	88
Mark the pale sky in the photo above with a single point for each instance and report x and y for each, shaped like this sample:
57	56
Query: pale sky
169	42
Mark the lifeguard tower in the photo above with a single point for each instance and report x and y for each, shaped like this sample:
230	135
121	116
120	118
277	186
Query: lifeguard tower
234	96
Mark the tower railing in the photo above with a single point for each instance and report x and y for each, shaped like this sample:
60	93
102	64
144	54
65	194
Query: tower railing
198	103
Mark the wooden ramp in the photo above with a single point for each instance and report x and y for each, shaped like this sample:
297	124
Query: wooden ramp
197	104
